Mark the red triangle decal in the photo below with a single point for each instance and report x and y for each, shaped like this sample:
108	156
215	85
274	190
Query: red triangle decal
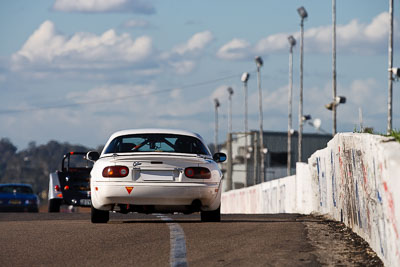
129	189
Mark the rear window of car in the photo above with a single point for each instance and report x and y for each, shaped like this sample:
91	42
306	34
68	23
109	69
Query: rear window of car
79	161
157	143
16	189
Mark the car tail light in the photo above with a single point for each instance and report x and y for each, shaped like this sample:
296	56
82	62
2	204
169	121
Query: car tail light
66	187
57	188
198	173
115	171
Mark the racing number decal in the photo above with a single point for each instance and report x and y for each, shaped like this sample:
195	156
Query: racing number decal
129	189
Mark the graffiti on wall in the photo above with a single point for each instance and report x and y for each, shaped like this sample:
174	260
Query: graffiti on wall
358	193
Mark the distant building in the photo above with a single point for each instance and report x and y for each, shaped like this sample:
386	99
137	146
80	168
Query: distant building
246	172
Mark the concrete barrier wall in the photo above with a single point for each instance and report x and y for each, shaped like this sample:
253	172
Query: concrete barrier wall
356	180
277	196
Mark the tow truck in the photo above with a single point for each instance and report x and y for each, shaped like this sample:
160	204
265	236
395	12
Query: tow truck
70	185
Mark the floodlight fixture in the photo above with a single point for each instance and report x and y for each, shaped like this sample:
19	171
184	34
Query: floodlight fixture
340	100
317	123
302	12
329	106
216	102
396	72
230	91
306	117
259	61
245	77
292	40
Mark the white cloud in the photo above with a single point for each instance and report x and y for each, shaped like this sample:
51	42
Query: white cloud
272	43
183	67
149	108
136	23
379	28
235	49
353	37
49	49
176	93
366	93
275	99
97	6
220	93
182	59
114	93
196	43
360	93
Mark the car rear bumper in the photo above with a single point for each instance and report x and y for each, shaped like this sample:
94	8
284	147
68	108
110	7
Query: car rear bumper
19	208
106	194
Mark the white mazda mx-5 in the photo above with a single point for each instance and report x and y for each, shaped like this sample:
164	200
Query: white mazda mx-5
155	170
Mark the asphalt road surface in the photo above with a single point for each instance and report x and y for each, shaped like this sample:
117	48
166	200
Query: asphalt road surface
69	239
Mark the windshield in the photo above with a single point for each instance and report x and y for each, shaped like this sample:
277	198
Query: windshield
157	143
78	160
16	189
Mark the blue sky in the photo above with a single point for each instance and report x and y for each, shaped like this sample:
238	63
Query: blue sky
78	70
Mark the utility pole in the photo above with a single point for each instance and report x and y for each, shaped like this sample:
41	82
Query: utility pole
292	43
303	14
390	93
229	163
245	78
334	129
230	92
255	169
259	63
229	143
216	105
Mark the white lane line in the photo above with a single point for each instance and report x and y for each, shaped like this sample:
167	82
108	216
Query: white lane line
177	241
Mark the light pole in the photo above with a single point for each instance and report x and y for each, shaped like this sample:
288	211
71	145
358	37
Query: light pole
216	105
303	14
390	93
245	77
229	143
334	128
230	92
259	64
292	43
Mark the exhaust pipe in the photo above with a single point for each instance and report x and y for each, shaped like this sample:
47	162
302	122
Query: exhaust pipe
196	205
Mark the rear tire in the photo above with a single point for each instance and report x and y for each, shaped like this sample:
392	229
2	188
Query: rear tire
54	205
211	216
99	216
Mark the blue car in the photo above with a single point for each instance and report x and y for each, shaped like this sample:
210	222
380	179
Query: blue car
17	198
